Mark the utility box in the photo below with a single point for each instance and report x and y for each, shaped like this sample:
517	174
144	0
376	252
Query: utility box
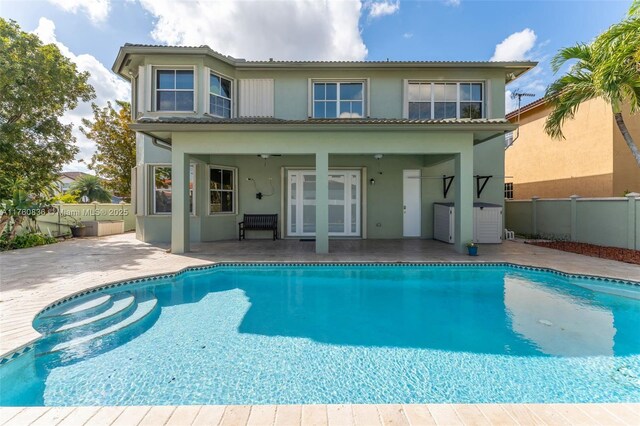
487	223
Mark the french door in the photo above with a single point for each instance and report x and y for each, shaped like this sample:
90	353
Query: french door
344	203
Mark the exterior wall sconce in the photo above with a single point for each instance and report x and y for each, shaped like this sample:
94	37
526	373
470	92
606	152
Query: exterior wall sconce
372	181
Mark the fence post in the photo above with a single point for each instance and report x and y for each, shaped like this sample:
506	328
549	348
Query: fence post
631	221
534	215
574	217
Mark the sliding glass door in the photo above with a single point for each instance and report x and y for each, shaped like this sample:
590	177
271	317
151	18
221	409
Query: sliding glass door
344	203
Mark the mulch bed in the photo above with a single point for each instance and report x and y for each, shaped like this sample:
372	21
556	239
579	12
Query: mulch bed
612	253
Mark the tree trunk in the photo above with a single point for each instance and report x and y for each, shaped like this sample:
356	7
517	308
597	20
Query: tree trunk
627	136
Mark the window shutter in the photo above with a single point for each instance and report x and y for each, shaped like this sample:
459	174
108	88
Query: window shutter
486	97
405	98
147	88
140	89
137	190
256	98
310	98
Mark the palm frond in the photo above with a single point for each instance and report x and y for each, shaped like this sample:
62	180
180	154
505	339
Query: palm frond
580	52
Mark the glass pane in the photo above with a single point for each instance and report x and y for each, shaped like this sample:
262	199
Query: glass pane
476	92
345	109
309	218
425	92
356	109
226	88
438	110
438	92
414	92
309	187
214	84
227	201
293	187
354	207
336	187
216	202
184	79
216	179
451	92
318	91
190	201
318	110
465	92
163	201
162	177
420	110
227	179
470	110
336	218
414	110
166	101
165	79
351	91
331	91
331	110
184	101
292	214
450	110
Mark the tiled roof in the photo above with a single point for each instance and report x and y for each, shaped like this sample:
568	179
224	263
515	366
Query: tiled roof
269	120
292	62
527	107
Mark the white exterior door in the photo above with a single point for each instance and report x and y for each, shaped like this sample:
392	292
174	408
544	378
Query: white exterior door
344	203
412	202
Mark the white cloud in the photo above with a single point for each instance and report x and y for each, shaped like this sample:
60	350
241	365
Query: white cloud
302	29
407	35
107	85
516	46
452	2
378	9
510	104
96	10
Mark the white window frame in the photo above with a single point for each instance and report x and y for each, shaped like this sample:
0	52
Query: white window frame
299	202
154	84
234	190
458	100
209	94
508	189
152	186
364	101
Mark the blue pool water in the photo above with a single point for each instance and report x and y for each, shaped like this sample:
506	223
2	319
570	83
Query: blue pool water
338	334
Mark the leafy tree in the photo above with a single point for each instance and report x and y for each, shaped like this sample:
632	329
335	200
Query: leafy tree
115	146
608	68
91	187
37	86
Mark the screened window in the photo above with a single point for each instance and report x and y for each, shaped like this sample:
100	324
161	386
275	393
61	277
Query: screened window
439	101
162	189
508	191
338	100
174	90
219	96
222	189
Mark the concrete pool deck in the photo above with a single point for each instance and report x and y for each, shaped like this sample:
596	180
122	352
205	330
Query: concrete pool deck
31	279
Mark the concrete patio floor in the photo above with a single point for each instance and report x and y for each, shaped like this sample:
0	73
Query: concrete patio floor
31	279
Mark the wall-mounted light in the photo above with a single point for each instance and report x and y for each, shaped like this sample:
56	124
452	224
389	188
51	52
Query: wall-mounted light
377	156
372	181
264	156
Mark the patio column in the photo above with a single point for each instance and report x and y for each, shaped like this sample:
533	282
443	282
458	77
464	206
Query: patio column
322	202
179	201
464	199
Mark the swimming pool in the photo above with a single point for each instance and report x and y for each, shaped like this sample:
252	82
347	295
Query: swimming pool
292	334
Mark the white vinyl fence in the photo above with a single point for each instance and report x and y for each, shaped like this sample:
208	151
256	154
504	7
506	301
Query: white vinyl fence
613	222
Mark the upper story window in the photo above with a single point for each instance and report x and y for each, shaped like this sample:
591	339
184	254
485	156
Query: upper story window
338	99
219	96
174	90
445	100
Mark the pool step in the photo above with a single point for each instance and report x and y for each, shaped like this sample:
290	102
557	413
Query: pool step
79	308
123	303
145	306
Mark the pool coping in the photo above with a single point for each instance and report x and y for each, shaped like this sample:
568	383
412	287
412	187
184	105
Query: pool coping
27	347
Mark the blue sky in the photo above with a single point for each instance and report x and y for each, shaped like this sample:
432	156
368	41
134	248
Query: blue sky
91	31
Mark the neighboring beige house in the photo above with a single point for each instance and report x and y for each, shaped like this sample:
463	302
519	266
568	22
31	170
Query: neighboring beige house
335	149
67	178
593	160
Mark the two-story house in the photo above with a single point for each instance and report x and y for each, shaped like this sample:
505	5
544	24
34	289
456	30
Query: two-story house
336	149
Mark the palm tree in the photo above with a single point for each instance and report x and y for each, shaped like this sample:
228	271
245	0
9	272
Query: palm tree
91	187
608	68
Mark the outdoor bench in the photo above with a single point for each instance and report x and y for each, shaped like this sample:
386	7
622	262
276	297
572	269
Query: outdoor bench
258	222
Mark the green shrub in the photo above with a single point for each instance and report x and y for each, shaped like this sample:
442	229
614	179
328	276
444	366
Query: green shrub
25	241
